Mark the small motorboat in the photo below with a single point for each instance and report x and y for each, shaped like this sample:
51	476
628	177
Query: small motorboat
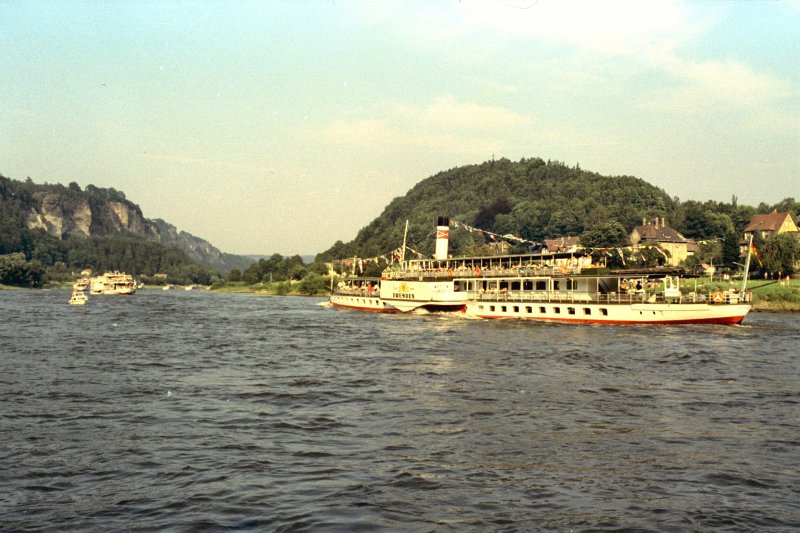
78	298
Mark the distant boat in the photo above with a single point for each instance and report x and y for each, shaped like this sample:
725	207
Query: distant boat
78	298
113	283
82	284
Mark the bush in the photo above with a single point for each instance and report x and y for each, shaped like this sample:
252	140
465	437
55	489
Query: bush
16	270
312	284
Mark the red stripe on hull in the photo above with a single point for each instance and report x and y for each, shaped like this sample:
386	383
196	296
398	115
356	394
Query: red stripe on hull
727	320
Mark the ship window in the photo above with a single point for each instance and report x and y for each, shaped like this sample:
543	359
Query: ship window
541	285
571	310
503	308
572	284
457	286
529	310
527	285
516	309
587	311
480	307
515	285
604	311
556	284
491	308
557	310
542	310
503	285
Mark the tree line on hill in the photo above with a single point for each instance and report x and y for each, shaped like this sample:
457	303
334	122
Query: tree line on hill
537	200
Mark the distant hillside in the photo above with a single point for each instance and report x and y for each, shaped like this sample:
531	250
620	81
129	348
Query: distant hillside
200	249
538	200
532	199
66	213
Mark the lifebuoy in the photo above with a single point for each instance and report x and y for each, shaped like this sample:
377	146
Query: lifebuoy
717	297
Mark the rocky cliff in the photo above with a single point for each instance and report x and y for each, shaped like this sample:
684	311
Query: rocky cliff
199	249
64	215
65	212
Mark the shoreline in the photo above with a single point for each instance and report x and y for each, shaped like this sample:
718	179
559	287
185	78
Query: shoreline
761	303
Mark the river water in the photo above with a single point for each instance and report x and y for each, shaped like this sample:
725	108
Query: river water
176	410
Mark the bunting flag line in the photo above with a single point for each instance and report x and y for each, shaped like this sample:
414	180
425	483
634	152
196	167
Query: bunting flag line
395	255
492	235
621	256
359	263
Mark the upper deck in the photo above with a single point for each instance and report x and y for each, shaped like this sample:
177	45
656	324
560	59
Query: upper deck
516	266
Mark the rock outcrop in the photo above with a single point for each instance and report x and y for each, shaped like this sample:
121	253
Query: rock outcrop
69	212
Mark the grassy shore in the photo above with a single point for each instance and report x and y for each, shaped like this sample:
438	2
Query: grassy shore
768	295
775	297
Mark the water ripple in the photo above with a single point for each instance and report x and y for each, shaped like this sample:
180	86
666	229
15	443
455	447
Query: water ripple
192	411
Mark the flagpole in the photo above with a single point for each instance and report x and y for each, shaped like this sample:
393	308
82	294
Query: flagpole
747	264
403	253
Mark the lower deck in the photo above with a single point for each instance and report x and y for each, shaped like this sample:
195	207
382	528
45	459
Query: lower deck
610	312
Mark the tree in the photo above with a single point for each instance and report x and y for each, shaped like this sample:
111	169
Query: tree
312	284
606	235
18	271
486	217
702	221
781	253
730	249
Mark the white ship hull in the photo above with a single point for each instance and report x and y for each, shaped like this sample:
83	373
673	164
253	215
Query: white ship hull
610	313
361	303
406	296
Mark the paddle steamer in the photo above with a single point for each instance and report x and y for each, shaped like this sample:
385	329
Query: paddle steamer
562	287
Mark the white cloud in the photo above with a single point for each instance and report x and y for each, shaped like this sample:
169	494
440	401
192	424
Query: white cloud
610	26
705	87
615	26
443	124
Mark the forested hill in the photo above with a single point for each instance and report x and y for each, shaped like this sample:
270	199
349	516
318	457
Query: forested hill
53	222
535	200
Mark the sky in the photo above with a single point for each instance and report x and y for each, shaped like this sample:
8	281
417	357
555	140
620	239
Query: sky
284	126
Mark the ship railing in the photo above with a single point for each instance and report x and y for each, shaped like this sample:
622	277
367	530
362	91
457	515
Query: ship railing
492	272
610	297
345	291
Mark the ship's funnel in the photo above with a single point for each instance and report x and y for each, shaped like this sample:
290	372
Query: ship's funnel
442	234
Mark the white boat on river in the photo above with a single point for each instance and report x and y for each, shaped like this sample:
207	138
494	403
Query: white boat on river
562	287
113	283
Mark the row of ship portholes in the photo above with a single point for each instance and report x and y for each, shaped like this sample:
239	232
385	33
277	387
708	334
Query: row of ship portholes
529	310
365	301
